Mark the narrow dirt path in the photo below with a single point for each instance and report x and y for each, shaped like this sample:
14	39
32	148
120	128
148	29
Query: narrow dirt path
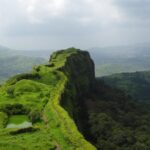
57	146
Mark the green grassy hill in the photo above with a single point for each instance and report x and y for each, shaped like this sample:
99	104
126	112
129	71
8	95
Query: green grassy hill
14	62
61	106
12	65
38	95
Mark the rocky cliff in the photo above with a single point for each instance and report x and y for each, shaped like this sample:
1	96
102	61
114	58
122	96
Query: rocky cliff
50	96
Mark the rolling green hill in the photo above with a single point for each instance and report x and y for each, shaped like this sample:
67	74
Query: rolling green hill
113	68
135	84
108	60
38	95
119	59
13	65
14	62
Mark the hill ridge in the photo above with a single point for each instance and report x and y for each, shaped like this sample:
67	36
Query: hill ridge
39	95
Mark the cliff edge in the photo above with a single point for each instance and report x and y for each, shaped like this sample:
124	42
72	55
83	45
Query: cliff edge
49	97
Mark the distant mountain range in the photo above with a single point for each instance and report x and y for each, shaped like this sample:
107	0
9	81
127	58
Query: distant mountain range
6	52
135	84
14	62
108	60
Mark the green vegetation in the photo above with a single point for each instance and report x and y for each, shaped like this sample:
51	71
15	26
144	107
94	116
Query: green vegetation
3	119
12	65
119	59
38	95
135	84
110	68
18	121
62	98
115	121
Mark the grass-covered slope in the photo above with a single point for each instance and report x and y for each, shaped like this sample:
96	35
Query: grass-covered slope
40	95
135	84
12	65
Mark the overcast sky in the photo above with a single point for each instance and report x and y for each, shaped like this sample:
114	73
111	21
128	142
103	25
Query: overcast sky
47	24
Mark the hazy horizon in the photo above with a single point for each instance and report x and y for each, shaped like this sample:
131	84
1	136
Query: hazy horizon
45	24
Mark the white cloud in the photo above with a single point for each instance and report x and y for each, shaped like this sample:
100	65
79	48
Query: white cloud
39	10
104	10
74	19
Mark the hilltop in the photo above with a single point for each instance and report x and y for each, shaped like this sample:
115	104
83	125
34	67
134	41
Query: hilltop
62	106
38	96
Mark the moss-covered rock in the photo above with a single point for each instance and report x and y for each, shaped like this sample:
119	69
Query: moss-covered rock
53	92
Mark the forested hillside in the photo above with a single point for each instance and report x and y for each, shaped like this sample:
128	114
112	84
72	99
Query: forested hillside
116	121
135	84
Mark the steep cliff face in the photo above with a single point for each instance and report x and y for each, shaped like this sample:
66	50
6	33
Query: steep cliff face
51	97
78	67
80	72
